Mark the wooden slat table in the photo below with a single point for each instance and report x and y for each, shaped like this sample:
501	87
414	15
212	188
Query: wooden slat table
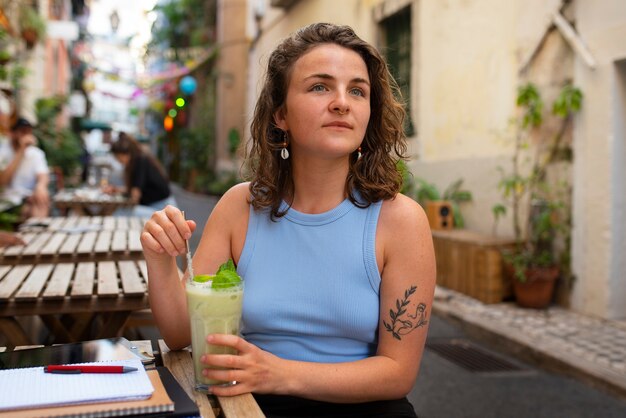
180	364
54	240
90	202
77	223
72	298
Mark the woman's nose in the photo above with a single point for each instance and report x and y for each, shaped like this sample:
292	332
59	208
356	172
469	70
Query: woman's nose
340	104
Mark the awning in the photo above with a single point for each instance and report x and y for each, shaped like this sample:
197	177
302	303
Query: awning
89	125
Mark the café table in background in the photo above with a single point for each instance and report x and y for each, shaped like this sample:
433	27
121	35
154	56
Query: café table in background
83	276
77	238
89	202
180	365
75	300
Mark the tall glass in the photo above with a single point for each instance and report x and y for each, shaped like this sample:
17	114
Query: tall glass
211	311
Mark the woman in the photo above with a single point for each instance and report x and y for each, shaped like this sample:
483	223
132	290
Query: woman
339	267
146	181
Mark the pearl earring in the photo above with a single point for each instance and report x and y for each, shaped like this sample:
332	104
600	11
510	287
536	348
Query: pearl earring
358	155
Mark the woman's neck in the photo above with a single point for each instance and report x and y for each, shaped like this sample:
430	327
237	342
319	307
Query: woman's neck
319	186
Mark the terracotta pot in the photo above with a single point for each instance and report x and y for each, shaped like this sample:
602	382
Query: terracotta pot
538	289
30	37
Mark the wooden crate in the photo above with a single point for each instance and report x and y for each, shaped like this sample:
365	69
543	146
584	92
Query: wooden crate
470	263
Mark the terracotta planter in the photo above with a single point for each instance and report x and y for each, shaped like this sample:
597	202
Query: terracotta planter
538	289
30	37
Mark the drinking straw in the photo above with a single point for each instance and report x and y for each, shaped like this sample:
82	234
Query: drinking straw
189	262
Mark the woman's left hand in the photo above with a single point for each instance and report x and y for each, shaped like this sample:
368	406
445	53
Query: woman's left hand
253	369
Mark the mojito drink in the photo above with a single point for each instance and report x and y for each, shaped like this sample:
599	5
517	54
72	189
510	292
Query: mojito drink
212	310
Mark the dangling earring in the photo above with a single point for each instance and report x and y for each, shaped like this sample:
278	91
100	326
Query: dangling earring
284	153
358	155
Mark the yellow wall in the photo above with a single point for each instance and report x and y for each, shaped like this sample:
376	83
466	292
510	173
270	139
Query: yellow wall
466	69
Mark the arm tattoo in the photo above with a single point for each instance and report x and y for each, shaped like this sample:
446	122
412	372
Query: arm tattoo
403	322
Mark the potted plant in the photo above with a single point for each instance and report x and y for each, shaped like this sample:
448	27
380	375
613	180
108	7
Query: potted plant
539	204
5	57
61	146
439	204
32	26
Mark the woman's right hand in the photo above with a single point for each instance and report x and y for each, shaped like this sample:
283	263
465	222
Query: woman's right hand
164	234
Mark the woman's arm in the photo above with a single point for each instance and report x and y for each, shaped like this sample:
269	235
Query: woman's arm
163	238
404	250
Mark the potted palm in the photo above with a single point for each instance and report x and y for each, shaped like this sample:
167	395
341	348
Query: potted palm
539	203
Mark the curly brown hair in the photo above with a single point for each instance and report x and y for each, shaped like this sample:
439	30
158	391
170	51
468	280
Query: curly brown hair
374	175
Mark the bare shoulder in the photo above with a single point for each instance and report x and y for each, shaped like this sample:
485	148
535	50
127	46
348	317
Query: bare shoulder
401	213
235	200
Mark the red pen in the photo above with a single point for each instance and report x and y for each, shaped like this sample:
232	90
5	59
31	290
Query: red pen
57	368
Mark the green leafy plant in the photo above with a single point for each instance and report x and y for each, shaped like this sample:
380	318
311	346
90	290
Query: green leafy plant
408	184
540	208
454	193
31	22
61	146
5	56
195	154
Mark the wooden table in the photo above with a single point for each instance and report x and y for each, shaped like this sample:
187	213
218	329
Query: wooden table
61	239
181	366
75	300
90	202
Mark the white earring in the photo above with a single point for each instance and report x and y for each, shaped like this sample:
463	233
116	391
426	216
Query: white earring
284	153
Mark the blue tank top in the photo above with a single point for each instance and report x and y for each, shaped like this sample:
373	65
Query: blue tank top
312	283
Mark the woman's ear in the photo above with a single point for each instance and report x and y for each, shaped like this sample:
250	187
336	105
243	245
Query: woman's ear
279	120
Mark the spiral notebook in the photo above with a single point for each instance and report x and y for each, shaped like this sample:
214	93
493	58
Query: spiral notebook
31	392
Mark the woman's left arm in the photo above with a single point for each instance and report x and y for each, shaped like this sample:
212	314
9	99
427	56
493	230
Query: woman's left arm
405	252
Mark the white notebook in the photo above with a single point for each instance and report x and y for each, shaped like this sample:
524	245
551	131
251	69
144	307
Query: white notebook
33	388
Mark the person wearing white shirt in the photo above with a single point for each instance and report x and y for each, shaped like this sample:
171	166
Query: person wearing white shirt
24	171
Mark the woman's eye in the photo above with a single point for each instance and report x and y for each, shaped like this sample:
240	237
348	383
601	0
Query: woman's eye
318	87
357	92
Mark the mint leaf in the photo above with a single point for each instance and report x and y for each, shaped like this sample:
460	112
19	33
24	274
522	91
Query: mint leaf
203	278
226	276
227	266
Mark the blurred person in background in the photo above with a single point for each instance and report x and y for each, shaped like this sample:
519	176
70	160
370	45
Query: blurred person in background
24	171
146	182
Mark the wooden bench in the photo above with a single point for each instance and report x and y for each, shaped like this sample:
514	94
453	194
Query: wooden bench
471	263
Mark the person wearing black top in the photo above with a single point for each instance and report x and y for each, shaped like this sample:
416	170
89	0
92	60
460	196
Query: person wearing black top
146	181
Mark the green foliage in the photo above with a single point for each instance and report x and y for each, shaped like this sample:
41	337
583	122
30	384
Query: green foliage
61	146
527	191
8	220
220	185
233	141
30	19
408	185
195	153
454	193
182	24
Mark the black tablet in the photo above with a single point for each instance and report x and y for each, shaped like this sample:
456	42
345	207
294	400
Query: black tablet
86	351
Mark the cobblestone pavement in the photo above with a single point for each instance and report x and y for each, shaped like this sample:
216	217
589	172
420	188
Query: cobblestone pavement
588	347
